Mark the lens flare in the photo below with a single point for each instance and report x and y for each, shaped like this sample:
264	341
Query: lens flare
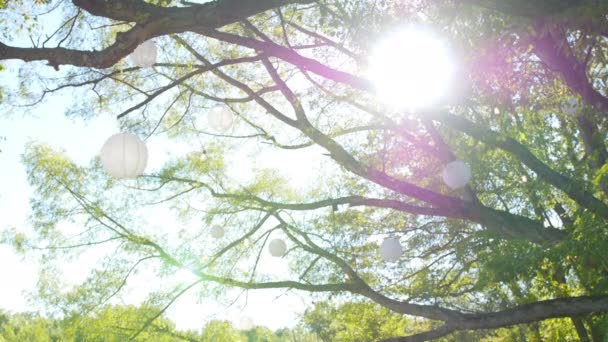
411	69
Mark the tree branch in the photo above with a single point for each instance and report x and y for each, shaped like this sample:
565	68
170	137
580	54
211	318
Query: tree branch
151	21
537	311
491	138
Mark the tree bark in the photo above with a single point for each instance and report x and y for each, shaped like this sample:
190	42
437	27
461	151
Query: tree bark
529	313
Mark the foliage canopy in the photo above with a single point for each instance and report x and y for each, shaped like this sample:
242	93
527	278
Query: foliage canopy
523	243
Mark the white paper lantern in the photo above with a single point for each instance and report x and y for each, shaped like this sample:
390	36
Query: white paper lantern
144	55
220	118
246	323
277	248
124	155
571	108
217	232
456	174
391	250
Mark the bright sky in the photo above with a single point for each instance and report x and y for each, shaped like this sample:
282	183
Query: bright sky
82	141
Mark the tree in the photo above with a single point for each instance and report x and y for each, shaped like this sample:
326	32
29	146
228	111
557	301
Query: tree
110	323
118	323
28	327
221	331
354	322
523	243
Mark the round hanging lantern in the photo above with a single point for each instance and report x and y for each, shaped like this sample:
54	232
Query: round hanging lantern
277	248
391	250
217	232
246	323
144	55
571	108
124	155
456	174
220	118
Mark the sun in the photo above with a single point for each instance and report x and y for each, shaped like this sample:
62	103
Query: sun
411	69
